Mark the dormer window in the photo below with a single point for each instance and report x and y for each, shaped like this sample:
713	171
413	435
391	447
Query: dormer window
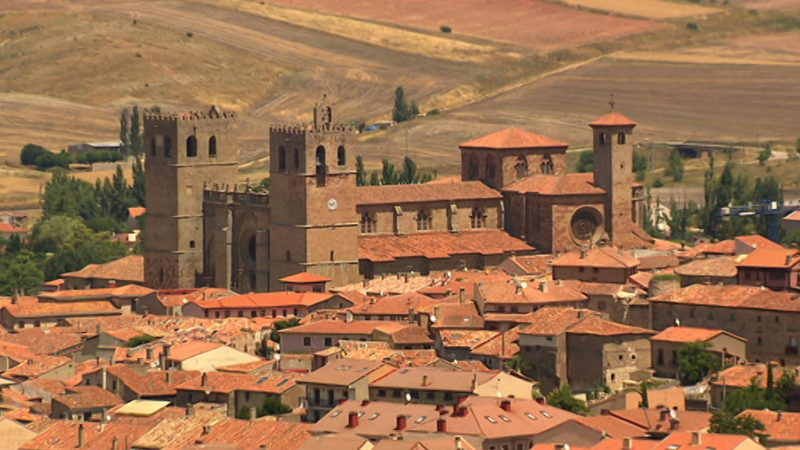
424	220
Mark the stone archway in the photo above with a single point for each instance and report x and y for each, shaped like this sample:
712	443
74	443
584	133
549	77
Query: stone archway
245	254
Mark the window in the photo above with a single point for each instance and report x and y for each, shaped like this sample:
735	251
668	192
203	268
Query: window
777	319
296	158
424	220
284	313
759	341
227	314
167	146
253	313
660	357
381	392
711	316
473	168
414	395
448	396
333	256
340	156
328	342
430	395
546	165
274	313
153	147
733	316
396	393
192	244
306	341
521	167
478	219
294	311
216	315
489	169
368	224
621	138
191	146
212	147
758	318
603	138
240	314
281	158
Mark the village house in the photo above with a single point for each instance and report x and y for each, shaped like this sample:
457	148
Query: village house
30	312
315	336
522	266
739	377
791	222
344	379
202	356
667	344
305	282
170	302
125	298
456	344
783	428
697	440
672	397
45	367
9	229
776	269
721	270
618	302
68	435
765	318
597	264
498	350
134	382
503	304
265	304
117	273
83	402
396	308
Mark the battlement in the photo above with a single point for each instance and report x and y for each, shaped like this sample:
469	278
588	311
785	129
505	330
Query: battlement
213	113
302	128
224	193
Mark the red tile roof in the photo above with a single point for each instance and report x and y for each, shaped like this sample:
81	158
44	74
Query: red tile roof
438	245
136	211
758	241
10	228
332	326
182	352
741	376
603	257
398	305
63	435
553	321
614	427
708	440
37	367
265	300
256	435
529	293
466	338
726	247
600	327
690	334
782	258
129	268
222	382
502	346
179	297
44	341
39	309
721	267
304	277
513	138
129	290
344	372
613	119
641	279
567	184
124	334
795	216
425	192
780	426
650	419
732	296
86	397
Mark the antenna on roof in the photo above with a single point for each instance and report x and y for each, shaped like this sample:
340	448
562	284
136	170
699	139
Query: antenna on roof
611	103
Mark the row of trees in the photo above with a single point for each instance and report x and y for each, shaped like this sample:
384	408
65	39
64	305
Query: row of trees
42	159
130	131
389	174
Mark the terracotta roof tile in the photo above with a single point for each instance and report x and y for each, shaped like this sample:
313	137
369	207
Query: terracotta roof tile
732	296
641	279
304	277
246	367
136	211
604	257
726	247
43	341
397	305
63	435
723	267
553	321
364	327
567	184
690	334
716	441
85	397
10	228
182	352
741	376
533	293
411	335
259	434
37	367
129	290
612	119
265	300
795	216
504	346
466	338
124	334
457	315
36	309
221	382
650	419
533	264
179	297
129	268
771	258
425	192
602	327
780	426
613	427
344	372
513	138
758	241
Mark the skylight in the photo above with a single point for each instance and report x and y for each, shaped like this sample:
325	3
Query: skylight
335	413
421	419
491	419
283	382
530	416
546	414
505	419
374	416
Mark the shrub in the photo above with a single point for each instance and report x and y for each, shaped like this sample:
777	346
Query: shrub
435	112
658	183
666	277
189	34
138	55
32	151
140	340
446	29
692	26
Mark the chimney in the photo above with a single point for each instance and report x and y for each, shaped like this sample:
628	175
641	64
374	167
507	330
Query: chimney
696	438
605	412
150	353
112	284
189	410
664	415
788	260
541	400
352	419
441	425
405	277
627	444
81	436
505	405
364	402
560	446
206	430
205	380
115	443
169	377
342	400
15	297
474	381
449	293
462	295
166	351
425	380
459	445
105	377
544	286
583	253
253	413
98	328
411	314
401	422
437	311
780	415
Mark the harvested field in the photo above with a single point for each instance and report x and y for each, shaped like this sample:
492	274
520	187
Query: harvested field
527	23
766	5
648	9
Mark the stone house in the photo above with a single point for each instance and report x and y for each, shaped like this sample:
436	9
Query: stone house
170	302
503	304
265	304
667	344
739	377
202	356
777	269
83	402
117	273
597	264
720	270
126	298
315	336
15	435
791	222
29	312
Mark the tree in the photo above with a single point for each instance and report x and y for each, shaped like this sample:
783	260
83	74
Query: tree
752	397
29	154
373	178
765	154
408	173
517	364
401	111
48	159
138	190
68	196
675	165
124	132
586	161
136	138
726	423
140	340
14	244
282	325
361	173
22	274
388	174
696	362
564	399
273	406
640	166
414	109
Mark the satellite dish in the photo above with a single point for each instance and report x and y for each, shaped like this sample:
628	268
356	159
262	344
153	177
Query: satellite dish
408	397
499	394
433	319
566	446
677	322
673	414
523	285
455	361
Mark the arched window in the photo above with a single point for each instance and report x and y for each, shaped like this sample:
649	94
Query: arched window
473	168
167	146
288	255
489	169
368	223
521	167
333	256
424	220
296	158
152	146
340	156
192	244
191	146
546	166
322	167
621	138
281	158
603	137
477	219
212	146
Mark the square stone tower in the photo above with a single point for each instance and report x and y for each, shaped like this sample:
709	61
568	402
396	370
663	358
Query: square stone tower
613	171
314	223
184	152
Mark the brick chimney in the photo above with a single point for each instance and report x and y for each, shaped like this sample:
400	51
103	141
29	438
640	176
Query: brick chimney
627	444
697	439
169	376
462	295
544	286
441	425
401	422
204	380
81	436
425	380
505	405
112	284
115	444
150	353
253	413
189	410
364	402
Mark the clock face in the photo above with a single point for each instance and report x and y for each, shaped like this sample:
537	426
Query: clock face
332	204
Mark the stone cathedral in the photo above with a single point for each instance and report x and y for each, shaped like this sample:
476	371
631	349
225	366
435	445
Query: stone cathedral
514	196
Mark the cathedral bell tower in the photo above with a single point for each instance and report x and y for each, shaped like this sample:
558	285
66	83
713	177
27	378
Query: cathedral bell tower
184	151
314	223
613	171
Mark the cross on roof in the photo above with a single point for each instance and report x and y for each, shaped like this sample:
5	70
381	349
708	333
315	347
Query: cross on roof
612	102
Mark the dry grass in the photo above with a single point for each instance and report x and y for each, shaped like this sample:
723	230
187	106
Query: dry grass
648	9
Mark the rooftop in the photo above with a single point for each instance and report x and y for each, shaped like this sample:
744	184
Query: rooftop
732	296
129	268
603	257
342	372
567	184
434	379
513	138
43	309
782	258
678	440
613	119
425	192
597	326
88	397
742	375
334	327
780	426
265	300
722	267
304	277
553	321
535	292
129	290
690	334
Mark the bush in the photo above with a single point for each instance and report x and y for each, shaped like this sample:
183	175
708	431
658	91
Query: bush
96	156
666	277
446	29
48	159
692	26
140	340
30	152
435	112
189	34
658	183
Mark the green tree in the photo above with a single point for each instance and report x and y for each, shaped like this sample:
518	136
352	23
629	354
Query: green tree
585	162
22	274
29	154
564	399
136	139
282	325
752	397
408	172
138	191
401	111
243	413
388	174
765	154
517	364
361	172
69	196
124	132
696	362
140	340
414	110
675	165
273	406
374	179
726	423
14	244
640	166
48	159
